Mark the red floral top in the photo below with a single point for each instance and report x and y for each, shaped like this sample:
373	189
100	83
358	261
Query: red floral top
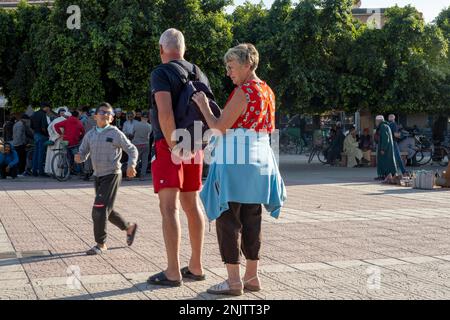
260	112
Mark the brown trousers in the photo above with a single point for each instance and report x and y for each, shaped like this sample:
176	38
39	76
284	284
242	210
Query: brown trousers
239	228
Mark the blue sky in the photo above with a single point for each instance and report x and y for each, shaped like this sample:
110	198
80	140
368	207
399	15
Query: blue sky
429	8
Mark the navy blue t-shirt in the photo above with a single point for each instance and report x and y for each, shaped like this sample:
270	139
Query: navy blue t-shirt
164	79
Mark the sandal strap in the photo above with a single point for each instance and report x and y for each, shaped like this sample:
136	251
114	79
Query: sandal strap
248	280
225	285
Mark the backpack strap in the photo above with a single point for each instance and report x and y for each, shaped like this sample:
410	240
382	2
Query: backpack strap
183	73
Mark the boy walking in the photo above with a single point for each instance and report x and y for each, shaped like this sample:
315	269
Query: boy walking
104	144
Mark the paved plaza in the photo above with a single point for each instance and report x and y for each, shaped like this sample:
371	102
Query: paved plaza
341	235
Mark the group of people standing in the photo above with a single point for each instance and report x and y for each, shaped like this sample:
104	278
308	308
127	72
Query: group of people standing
46	132
358	150
237	209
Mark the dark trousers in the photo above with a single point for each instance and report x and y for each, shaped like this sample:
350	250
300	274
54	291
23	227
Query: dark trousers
22	154
105	194
239	228
39	153
12	171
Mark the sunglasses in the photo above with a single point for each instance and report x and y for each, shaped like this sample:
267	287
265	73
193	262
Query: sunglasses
105	113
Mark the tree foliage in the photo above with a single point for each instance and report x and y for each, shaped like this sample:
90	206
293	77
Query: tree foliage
313	53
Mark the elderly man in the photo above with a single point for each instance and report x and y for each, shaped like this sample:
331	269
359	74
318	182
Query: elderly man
386	162
173	181
396	137
351	150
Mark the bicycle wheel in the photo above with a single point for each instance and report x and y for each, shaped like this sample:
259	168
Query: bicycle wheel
321	156
426	157
444	160
418	155
61	166
311	156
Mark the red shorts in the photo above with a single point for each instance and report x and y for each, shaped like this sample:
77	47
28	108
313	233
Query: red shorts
166	174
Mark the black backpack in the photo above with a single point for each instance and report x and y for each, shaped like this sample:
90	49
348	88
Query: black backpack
186	111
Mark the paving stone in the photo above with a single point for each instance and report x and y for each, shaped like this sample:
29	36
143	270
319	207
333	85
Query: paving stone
315	250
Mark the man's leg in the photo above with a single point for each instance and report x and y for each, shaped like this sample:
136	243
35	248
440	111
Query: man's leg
22	155
144	159
13	172
36	154
76	166
43	151
168	204
3	171
196	224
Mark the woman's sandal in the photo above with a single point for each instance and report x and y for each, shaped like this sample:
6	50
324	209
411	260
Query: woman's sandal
225	288
251	287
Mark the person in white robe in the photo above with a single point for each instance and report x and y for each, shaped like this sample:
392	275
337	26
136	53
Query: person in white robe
351	150
55	139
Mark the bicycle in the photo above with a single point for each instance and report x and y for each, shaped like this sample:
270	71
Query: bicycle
441	155
319	151
62	162
423	150
291	141
427	152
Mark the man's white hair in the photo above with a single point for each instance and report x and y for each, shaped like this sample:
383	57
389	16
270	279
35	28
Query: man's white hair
172	40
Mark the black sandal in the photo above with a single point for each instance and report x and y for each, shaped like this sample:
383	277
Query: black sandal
130	237
186	273
160	279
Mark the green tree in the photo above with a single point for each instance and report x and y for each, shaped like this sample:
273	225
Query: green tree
21	69
414	53
8	48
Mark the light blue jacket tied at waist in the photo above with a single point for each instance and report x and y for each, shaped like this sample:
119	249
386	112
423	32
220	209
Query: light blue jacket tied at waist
243	169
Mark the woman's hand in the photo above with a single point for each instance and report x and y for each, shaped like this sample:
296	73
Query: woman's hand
201	100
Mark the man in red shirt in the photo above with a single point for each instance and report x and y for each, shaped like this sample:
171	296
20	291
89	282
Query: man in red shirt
73	132
73	129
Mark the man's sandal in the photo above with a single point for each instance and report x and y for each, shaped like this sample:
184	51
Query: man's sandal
186	273
160	279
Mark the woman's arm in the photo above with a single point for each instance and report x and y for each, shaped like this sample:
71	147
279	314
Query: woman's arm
233	109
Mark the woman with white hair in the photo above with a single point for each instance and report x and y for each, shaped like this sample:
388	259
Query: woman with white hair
234	191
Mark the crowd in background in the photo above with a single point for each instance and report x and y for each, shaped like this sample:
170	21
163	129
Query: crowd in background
30	142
